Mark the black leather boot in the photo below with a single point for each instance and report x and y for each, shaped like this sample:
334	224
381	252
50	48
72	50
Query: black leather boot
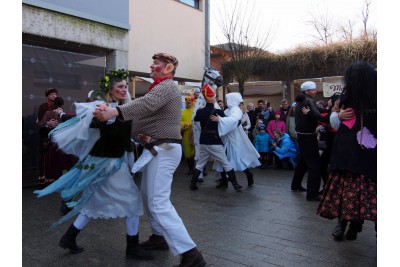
135	251
192	258
223	182
339	230
156	242
193	182
205	170
355	227
249	175
232	178
190	163
64	209
68	240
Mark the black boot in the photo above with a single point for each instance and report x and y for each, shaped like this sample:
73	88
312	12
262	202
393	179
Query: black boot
339	230
190	163
249	175
68	240
223	182
205	171
135	251
232	178
191	258
156	242
64	209
193	182
355	227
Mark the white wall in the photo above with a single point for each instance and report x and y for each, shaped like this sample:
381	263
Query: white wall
167	26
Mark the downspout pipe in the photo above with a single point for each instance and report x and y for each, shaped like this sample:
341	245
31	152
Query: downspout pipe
207	33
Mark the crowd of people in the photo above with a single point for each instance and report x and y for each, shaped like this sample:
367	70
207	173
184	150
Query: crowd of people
334	142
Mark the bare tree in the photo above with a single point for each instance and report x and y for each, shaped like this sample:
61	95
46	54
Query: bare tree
245	43
346	31
365	17
323	26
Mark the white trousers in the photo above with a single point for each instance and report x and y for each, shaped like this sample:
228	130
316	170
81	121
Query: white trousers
156	183
215	151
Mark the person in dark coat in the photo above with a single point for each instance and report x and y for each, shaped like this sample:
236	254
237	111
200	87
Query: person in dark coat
309	158
211	143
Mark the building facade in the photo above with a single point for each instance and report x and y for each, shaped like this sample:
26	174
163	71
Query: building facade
71	44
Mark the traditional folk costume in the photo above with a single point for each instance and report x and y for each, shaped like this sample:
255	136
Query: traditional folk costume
158	115
240	151
100	185
211	143
187	135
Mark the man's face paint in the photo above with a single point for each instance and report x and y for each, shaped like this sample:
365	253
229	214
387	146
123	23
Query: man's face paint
156	69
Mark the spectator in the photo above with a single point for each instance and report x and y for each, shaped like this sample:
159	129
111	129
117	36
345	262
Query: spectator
277	123
262	143
245	121
284	150
253	118
256	129
284	109
221	105
291	125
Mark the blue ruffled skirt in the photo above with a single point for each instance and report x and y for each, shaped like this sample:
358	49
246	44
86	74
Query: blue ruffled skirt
99	188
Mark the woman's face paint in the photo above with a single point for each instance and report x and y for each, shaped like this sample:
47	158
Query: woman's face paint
118	91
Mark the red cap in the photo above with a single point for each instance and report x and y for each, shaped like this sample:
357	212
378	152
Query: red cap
207	91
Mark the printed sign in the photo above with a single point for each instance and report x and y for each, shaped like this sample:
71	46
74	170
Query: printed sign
331	88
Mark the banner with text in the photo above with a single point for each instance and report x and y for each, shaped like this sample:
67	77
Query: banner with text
332	87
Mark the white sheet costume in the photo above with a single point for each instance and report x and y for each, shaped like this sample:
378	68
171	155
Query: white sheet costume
240	151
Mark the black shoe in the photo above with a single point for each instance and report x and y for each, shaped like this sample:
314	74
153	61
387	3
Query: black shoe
64	209
135	251
300	189
156	242
68	240
195	177
355	227
317	198
340	228
192	258
200	180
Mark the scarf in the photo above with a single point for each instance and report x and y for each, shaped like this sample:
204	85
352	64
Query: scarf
50	103
158	80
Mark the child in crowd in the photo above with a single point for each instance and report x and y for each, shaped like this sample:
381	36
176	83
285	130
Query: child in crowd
262	144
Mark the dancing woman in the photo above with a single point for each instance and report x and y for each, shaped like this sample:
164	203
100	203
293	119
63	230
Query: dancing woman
102	173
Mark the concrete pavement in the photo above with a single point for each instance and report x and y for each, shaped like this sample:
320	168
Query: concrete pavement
264	225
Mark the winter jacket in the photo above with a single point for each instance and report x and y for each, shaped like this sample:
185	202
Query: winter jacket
286	149
275	124
262	142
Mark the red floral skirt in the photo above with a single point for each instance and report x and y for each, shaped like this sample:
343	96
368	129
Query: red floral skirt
349	196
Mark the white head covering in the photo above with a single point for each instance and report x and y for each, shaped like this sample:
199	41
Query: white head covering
233	99
308	86
197	90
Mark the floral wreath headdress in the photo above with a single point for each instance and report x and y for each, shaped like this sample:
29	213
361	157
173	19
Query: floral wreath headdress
104	83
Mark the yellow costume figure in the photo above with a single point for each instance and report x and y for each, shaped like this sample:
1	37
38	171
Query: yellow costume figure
187	133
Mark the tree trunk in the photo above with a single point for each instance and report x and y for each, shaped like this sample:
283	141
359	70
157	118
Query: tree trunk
241	88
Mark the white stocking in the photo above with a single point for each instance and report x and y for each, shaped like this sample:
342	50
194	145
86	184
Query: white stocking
132	225
81	221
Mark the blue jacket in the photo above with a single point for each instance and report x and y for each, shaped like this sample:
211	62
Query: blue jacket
262	142
286	149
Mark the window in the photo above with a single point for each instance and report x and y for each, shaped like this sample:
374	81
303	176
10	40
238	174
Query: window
193	3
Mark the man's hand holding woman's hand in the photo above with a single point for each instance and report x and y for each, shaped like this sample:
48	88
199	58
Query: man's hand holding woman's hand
103	112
